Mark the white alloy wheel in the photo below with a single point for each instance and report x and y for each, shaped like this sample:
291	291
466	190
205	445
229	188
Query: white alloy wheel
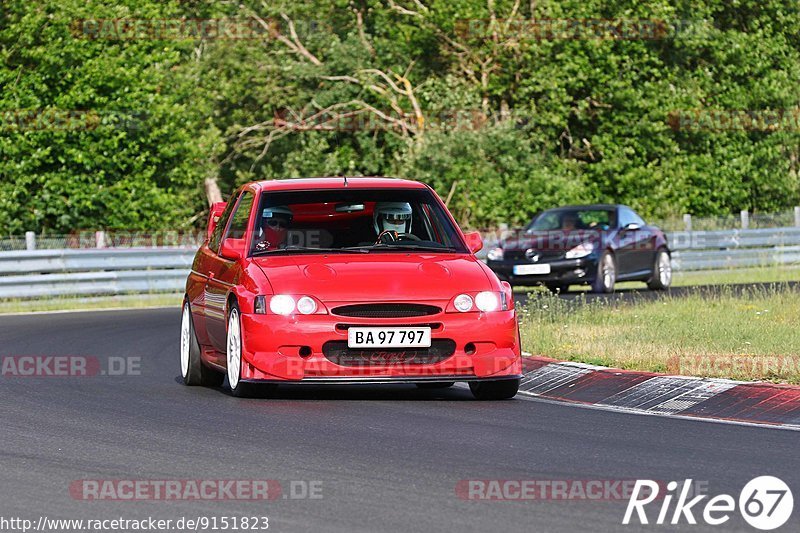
609	273
664	269
186	332
234	348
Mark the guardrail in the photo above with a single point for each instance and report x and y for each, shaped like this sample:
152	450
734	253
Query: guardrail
45	273
39	273
709	250
715	250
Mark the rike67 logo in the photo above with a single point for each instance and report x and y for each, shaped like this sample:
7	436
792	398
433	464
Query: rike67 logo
765	503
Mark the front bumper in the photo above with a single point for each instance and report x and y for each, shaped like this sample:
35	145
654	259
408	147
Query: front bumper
562	271
290	349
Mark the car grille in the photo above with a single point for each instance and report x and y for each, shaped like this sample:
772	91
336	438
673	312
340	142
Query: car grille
519	255
388	310
338	352
435	326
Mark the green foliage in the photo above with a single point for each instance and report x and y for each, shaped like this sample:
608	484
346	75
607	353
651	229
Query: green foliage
136	163
564	120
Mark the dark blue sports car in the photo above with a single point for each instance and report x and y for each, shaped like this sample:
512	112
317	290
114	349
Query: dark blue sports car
594	245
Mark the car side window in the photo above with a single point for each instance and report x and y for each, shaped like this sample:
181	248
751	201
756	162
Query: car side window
627	216
216	235
546	221
239	220
431	228
595	219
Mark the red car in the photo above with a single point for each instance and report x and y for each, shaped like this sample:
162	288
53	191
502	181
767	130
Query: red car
345	280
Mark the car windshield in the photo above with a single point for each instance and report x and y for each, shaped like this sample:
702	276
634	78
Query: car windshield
353	221
573	219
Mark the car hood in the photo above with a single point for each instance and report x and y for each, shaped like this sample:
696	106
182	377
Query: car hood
550	241
367	277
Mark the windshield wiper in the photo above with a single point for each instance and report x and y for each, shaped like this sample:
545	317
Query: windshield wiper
412	247
306	249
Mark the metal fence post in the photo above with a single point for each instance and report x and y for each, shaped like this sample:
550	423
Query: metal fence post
687	222
745	219
797	216
30	240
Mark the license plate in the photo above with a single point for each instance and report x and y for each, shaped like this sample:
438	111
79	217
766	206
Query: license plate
528	270
389	337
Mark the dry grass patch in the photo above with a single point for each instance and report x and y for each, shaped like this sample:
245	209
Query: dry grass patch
751	336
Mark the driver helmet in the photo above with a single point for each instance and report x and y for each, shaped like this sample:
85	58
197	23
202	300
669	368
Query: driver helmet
274	217
275	222
392	216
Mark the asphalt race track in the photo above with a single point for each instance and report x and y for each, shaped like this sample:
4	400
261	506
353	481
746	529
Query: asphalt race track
389	458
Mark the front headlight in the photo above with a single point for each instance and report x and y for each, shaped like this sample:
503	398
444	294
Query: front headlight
495	254
463	303
487	301
281	304
289	304
306	306
582	250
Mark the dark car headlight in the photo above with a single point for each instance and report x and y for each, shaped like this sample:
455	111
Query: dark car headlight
582	250
495	254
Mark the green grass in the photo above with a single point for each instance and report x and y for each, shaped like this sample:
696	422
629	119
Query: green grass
773	274
749	336
737	275
69	303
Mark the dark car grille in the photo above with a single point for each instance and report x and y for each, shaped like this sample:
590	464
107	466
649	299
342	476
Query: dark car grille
337	352
398	310
519	255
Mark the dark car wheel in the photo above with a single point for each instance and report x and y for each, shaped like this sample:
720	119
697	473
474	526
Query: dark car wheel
662	272
193	371
494	390
606	274
443	385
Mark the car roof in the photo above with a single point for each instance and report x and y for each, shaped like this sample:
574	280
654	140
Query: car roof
588	207
354	182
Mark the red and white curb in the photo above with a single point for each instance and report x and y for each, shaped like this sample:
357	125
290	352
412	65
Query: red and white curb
659	394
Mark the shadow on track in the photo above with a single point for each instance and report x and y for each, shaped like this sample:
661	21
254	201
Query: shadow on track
353	392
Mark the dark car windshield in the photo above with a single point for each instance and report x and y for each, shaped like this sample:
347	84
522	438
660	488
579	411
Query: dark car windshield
353	220
573	219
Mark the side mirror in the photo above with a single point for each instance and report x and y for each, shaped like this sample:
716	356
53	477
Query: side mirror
232	249
213	216
633	226
474	241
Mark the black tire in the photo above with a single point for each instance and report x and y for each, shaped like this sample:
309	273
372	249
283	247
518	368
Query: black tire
557	288
494	390
444	385
604	283
196	373
662	272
